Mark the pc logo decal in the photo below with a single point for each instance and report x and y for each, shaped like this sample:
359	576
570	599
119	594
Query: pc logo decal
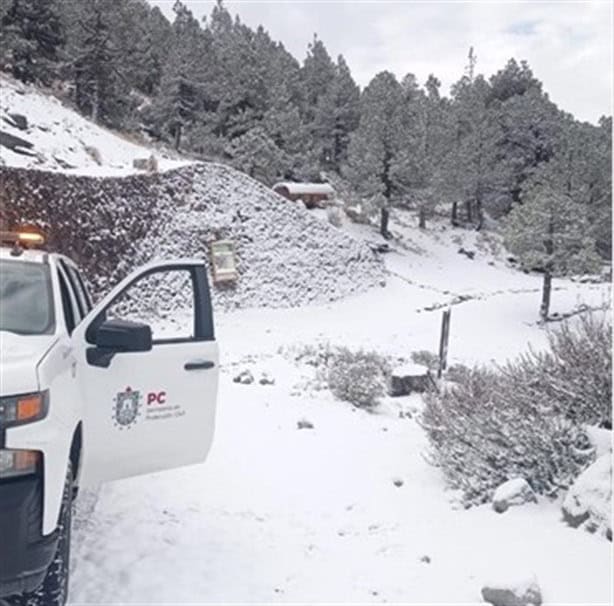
126	408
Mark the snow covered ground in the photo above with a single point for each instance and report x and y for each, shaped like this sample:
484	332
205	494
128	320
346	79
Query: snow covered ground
62	140
348	511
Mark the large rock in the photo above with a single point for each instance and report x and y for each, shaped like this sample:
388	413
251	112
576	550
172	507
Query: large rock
600	439
19	120
16	144
245	378
149	164
513	492
589	501
522	592
409	378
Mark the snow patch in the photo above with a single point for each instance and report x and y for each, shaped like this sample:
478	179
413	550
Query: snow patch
63	141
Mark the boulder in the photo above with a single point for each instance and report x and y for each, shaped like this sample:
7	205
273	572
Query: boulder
304	424
16	144
266	379
599	439
588	502
93	153
470	254
409	378
19	120
245	377
148	164
522	592
516	491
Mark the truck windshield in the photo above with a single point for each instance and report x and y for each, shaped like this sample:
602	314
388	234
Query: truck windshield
26	300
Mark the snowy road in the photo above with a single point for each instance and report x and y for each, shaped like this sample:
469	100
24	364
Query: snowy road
279	514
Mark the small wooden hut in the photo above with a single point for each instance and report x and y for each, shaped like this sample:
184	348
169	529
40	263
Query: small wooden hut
311	194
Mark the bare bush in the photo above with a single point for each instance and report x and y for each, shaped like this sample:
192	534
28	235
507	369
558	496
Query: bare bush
581	369
524	419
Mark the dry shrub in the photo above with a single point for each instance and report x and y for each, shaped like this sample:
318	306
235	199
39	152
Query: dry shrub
525	418
357	377
579	369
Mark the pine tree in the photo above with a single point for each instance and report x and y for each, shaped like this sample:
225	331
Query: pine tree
175	107
376	144
426	143
470	172
100	85
143	38
282	120
318	75
514	79
256	154
550	231
530	126
32	36
582	159
343	98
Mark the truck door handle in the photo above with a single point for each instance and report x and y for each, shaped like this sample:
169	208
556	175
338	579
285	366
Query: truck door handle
199	365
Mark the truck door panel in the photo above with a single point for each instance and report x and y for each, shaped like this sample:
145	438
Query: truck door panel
150	410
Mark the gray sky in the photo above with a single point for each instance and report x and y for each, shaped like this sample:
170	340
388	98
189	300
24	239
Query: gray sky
567	44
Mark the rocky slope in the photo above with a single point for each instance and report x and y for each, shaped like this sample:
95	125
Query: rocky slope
108	225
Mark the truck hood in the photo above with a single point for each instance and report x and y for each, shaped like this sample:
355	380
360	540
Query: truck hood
19	358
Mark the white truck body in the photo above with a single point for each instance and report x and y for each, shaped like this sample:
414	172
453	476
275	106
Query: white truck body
112	413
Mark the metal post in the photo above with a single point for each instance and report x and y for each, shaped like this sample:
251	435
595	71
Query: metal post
443	342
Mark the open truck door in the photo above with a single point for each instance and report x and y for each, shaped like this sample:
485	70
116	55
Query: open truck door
147	370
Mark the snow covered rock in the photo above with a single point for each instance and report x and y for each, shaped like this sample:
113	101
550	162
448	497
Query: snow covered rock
266	379
17	120
245	378
304	424
600	439
16	144
521	592
149	164
589	501
409	378
513	492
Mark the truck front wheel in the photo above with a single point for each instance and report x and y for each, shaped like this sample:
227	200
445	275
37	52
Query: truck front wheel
54	589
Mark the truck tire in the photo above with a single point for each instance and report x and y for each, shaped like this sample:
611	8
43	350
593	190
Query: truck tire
54	589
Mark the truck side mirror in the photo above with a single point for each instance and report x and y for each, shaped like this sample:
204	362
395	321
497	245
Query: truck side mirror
117	336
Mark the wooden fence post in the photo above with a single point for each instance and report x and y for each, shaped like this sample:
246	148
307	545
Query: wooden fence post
443	342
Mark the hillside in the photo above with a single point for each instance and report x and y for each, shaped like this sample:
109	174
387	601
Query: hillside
111	218
56	138
311	498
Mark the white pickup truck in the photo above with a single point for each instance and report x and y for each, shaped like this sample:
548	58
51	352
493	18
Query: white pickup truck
90	394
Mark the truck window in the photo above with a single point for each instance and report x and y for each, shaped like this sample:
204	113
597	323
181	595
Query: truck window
70	317
76	284
164	300
86	294
26	298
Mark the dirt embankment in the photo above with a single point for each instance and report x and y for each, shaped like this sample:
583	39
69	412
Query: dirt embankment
109	225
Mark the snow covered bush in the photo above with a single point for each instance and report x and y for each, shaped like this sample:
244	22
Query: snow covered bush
580	369
491	427
525	419
357	377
